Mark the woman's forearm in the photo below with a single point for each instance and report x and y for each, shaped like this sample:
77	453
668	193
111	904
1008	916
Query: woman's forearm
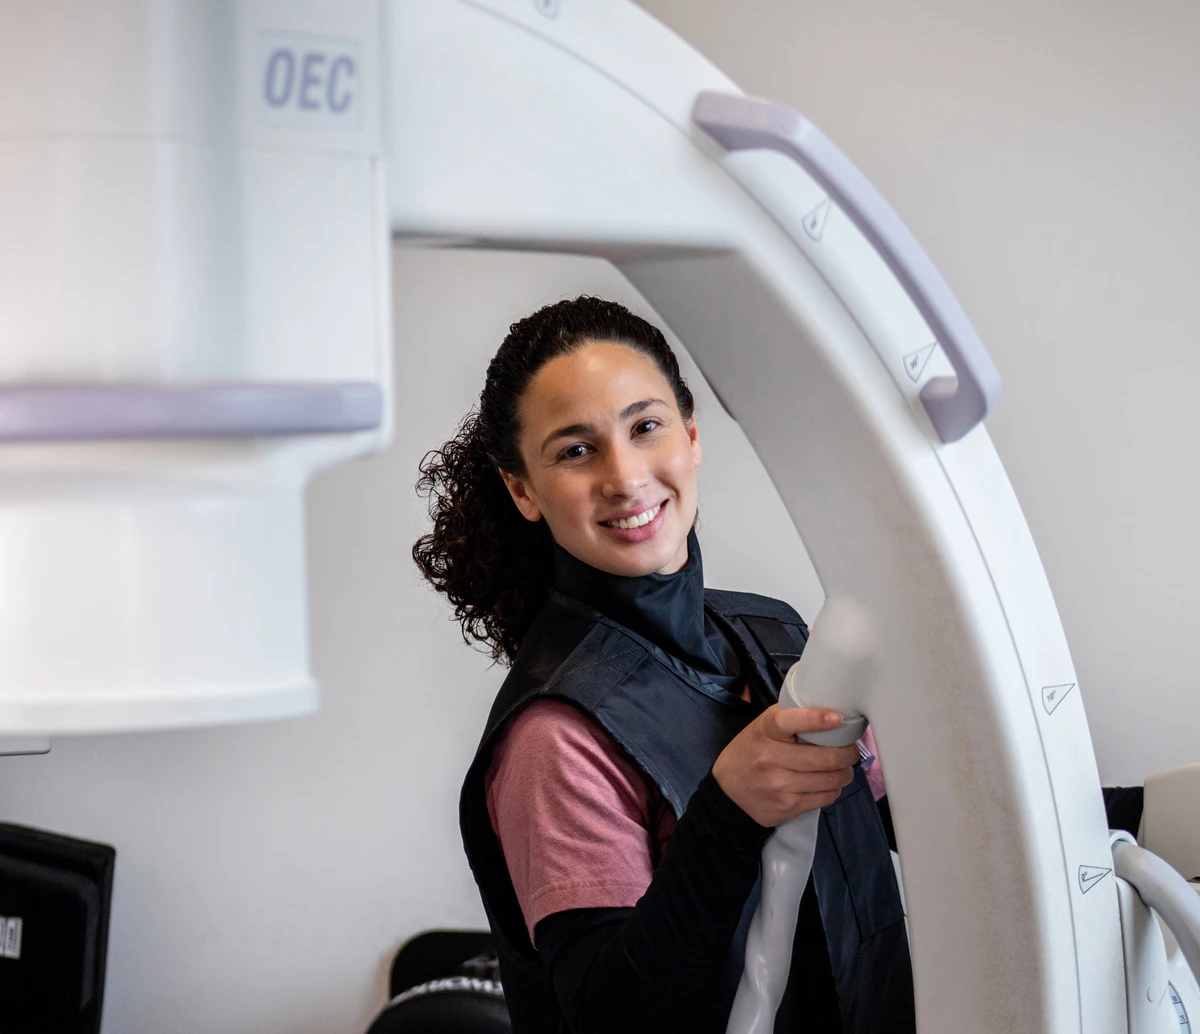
661	965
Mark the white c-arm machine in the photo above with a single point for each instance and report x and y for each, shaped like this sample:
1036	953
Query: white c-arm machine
197	206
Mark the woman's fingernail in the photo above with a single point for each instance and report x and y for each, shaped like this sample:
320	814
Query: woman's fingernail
833	718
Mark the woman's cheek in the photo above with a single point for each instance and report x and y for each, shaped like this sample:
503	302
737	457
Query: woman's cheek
684	473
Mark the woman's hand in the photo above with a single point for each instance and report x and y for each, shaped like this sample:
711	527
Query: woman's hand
771	777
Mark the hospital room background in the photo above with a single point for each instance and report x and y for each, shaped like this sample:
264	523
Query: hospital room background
1046	155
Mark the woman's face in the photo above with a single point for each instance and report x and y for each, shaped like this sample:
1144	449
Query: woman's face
610	462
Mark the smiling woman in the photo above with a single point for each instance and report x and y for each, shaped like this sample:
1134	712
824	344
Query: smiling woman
639	711
537	436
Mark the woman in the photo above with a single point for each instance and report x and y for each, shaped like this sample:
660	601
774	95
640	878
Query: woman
634	762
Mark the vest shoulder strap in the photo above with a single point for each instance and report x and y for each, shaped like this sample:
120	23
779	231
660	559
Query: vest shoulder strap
773	626
750	604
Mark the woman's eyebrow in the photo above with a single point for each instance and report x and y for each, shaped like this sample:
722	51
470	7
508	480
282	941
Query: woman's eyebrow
571	430
637	407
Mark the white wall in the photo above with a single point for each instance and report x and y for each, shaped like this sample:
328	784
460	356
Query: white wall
1045	155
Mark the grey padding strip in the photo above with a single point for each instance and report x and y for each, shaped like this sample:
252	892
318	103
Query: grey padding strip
1164	890
954	404
94	412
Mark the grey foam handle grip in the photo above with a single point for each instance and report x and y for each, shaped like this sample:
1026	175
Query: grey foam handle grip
954	404
838	665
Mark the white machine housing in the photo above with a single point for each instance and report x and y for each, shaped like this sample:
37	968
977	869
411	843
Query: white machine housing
215	221
194	317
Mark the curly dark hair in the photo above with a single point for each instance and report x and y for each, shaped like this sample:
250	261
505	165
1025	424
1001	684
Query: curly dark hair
491	563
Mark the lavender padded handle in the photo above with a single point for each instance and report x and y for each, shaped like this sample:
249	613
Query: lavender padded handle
954	405
97	412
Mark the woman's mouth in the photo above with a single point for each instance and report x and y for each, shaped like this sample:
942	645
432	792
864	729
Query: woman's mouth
637	527
636	521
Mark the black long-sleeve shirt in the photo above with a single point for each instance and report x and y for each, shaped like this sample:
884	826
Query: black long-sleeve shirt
661	965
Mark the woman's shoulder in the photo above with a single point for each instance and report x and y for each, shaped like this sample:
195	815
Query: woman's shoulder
549	722
568	651
553	734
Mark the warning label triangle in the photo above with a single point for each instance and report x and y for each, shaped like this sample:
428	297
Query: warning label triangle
814	221
1052	696
914	362
1090	875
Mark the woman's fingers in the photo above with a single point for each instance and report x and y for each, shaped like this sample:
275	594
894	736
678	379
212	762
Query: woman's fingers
805	757
773	778
782	727
785	724
814	782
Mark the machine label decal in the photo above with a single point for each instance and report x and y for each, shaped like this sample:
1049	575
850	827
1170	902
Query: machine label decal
10	937
1090	875
308	82
814	222
1052	696
914	362
1180	1011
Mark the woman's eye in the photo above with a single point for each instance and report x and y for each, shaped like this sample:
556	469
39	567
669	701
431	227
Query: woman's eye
645	426
573	452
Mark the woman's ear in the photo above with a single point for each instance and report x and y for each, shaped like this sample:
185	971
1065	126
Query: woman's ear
694	436
519	491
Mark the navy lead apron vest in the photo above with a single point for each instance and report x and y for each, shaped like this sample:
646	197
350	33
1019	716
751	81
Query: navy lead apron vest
850	970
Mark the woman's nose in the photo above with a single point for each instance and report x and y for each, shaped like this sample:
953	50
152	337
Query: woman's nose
625	474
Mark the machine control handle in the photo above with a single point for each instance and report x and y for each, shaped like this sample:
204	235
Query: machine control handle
954	404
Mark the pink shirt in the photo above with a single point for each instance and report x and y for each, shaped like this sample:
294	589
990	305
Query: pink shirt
580	825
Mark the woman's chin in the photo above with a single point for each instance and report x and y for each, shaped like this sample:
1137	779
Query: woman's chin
627	553
652	557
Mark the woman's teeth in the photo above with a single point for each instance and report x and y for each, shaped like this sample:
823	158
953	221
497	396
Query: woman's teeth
645	517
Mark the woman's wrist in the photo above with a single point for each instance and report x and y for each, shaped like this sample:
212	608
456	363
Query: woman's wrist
718	814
